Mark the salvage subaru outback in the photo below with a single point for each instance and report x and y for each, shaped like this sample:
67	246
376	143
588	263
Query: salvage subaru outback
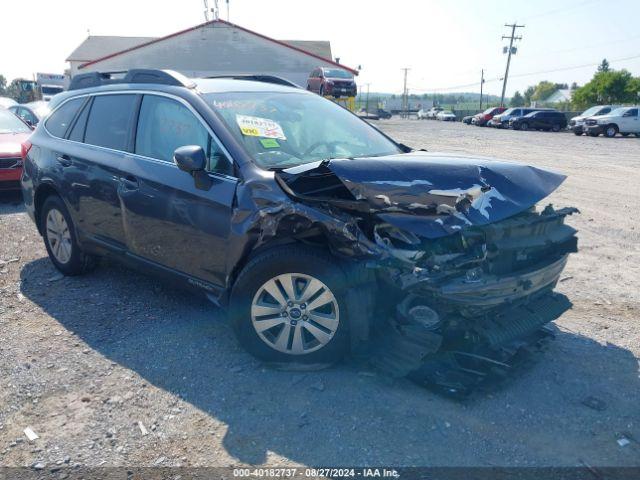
319	233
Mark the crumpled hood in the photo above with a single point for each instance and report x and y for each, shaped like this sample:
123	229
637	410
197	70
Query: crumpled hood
431	194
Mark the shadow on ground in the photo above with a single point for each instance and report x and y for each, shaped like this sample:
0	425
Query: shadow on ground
11	201
180	343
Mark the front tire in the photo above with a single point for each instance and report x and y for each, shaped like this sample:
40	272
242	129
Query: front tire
60	239
555	127
288	306
524	126
611	131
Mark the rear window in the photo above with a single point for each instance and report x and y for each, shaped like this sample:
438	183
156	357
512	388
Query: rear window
59	121
110	121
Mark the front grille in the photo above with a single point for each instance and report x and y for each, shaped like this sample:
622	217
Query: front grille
13	162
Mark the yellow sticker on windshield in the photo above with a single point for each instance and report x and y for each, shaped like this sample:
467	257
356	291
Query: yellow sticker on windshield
259	127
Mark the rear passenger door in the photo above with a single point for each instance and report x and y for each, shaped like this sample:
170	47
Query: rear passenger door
96	162
168	221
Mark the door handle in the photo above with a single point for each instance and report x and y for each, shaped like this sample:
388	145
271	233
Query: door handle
63	159
129	182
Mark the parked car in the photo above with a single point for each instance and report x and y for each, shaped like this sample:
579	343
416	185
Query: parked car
382	113
295	215
13	132
467	120
31	113
6	102
482	118
333	82
576	124
432	113
541	120
623	120
428	114
446	116
502	120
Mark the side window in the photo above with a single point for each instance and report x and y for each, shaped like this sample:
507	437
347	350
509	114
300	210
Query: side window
59	121
165	124
110	121
633	112
28	116
77	131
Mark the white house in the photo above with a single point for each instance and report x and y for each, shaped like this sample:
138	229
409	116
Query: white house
212	48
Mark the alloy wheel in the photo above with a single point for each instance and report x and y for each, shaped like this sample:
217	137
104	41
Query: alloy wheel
58	236
295	313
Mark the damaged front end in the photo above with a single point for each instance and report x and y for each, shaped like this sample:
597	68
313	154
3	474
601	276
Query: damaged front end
467	264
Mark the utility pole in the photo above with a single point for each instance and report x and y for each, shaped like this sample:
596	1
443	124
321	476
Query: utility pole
367	107
481	85
511	38
405	95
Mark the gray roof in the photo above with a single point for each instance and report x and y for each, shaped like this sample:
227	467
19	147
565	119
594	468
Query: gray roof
322	48
98	46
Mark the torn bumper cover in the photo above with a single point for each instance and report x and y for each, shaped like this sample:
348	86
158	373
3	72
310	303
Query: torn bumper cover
457	243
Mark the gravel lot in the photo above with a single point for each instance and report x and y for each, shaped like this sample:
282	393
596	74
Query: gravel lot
114	368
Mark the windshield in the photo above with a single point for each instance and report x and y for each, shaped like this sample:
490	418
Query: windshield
446	112
9	123
336	73
508	111
281	130
51	90
489	110
591	111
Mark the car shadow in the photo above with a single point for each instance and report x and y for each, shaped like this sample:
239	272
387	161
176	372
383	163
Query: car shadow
345	415
11	202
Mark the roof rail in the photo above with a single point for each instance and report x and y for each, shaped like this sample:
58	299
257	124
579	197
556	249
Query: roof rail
138	75
260	78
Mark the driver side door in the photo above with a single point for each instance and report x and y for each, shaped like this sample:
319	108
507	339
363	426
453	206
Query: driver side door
168	221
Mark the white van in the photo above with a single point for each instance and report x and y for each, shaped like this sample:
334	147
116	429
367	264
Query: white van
623	120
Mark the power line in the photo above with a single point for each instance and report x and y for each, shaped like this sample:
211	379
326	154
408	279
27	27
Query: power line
526	74
559	10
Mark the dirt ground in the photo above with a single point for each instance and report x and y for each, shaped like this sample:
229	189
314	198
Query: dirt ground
115	368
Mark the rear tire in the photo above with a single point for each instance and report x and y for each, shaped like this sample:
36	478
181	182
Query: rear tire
555	127
577	132
294	324
60	239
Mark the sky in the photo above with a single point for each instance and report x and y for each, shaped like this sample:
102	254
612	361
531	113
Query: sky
444	43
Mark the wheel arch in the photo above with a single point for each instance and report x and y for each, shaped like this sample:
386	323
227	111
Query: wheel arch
41	194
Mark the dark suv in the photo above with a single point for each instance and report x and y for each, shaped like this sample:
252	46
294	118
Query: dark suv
540	120
294	213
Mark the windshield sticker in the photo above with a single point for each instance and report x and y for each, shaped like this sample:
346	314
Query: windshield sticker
259	127
269	143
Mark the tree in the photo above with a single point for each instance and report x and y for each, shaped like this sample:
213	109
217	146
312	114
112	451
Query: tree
608	86
604	66
528	93
3	85
574	86
517	100
543	91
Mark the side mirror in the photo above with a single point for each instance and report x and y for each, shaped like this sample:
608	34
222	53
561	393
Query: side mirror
190	158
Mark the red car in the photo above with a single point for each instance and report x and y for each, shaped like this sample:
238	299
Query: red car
481	119
13	133
332	81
